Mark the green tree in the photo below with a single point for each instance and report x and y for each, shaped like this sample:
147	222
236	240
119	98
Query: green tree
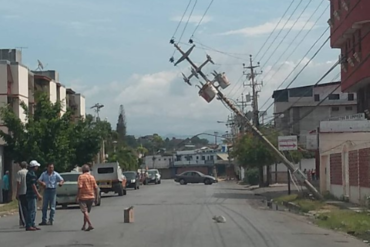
251	152
49	136
126	157
45	136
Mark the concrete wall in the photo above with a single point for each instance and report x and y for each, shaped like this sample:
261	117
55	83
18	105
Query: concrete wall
159	163
53	91
63	97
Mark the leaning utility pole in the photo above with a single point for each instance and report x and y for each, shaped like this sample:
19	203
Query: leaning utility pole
209	91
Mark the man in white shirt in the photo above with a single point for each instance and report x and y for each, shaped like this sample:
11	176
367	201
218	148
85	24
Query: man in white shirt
21	194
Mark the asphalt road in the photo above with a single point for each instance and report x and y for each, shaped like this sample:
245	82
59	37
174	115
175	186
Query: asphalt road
171	215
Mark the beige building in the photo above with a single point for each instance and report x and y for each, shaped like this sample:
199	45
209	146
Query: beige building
18	84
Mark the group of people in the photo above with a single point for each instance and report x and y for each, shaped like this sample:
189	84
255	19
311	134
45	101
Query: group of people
28	194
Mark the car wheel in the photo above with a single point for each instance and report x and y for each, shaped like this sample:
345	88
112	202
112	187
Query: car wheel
207	182
182	182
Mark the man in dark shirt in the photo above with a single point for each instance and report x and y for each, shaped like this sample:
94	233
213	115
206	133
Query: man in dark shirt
32	195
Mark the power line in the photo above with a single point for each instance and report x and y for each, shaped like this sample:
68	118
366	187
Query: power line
200	21
307	113
291	28
182	17
312	47
298	44
299	63
191	13
287	21
286	11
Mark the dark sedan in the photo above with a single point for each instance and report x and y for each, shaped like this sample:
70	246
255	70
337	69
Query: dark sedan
194	177
133	180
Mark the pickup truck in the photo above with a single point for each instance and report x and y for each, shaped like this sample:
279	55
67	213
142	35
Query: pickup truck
66	194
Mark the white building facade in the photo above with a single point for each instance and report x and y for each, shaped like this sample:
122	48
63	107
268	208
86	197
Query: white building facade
294	104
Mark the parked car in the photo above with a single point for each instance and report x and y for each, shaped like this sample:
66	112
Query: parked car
66	194
194	177
133	179
154	176
110	178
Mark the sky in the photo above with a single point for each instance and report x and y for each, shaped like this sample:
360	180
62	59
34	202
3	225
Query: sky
116	52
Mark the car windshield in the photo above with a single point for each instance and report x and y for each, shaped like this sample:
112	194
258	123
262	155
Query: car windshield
152	172
129	175
73	177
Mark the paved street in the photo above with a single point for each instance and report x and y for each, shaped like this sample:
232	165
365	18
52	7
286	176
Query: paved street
170	215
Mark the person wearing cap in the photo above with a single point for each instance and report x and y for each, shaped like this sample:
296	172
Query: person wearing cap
32	195
49	179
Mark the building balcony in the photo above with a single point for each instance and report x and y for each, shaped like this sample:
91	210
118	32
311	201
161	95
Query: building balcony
346	18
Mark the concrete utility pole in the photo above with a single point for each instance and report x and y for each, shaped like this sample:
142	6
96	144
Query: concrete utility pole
251	75
209	88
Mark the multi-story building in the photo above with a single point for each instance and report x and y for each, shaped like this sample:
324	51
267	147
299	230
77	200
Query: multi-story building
350	28
291	105
18	84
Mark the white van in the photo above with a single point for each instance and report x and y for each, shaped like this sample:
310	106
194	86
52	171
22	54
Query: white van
109	178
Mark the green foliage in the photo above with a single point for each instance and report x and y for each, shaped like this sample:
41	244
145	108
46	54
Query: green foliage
126	157
251	151
49	136
252	176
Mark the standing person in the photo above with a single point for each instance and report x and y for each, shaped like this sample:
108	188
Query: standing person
32	195
86	195
6	186
49	179
21	194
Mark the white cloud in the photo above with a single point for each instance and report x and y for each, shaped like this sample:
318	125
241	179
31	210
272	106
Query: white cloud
160	101
268	27
194	19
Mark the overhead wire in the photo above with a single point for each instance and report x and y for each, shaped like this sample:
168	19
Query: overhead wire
290	29
286	22
182	17
286	11
319	103
187	22
311	49
298	44
299	63
200	21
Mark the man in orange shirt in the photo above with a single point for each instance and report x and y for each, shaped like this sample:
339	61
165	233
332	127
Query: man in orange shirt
87	195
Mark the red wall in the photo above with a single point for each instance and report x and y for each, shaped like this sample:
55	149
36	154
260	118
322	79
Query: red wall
358	12
336	169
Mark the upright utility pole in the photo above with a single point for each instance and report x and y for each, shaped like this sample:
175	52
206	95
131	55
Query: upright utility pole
251	74
208	91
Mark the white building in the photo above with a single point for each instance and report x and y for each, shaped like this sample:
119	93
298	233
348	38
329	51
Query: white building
158	161
291	105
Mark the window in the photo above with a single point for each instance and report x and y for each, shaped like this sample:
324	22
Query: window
335	108
348	108
317	97
351	97
105	170
333	96
353	43
301	92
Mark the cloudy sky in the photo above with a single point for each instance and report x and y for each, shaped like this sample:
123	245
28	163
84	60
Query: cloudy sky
117	52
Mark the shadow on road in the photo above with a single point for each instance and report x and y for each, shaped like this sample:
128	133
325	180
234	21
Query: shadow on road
241	196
